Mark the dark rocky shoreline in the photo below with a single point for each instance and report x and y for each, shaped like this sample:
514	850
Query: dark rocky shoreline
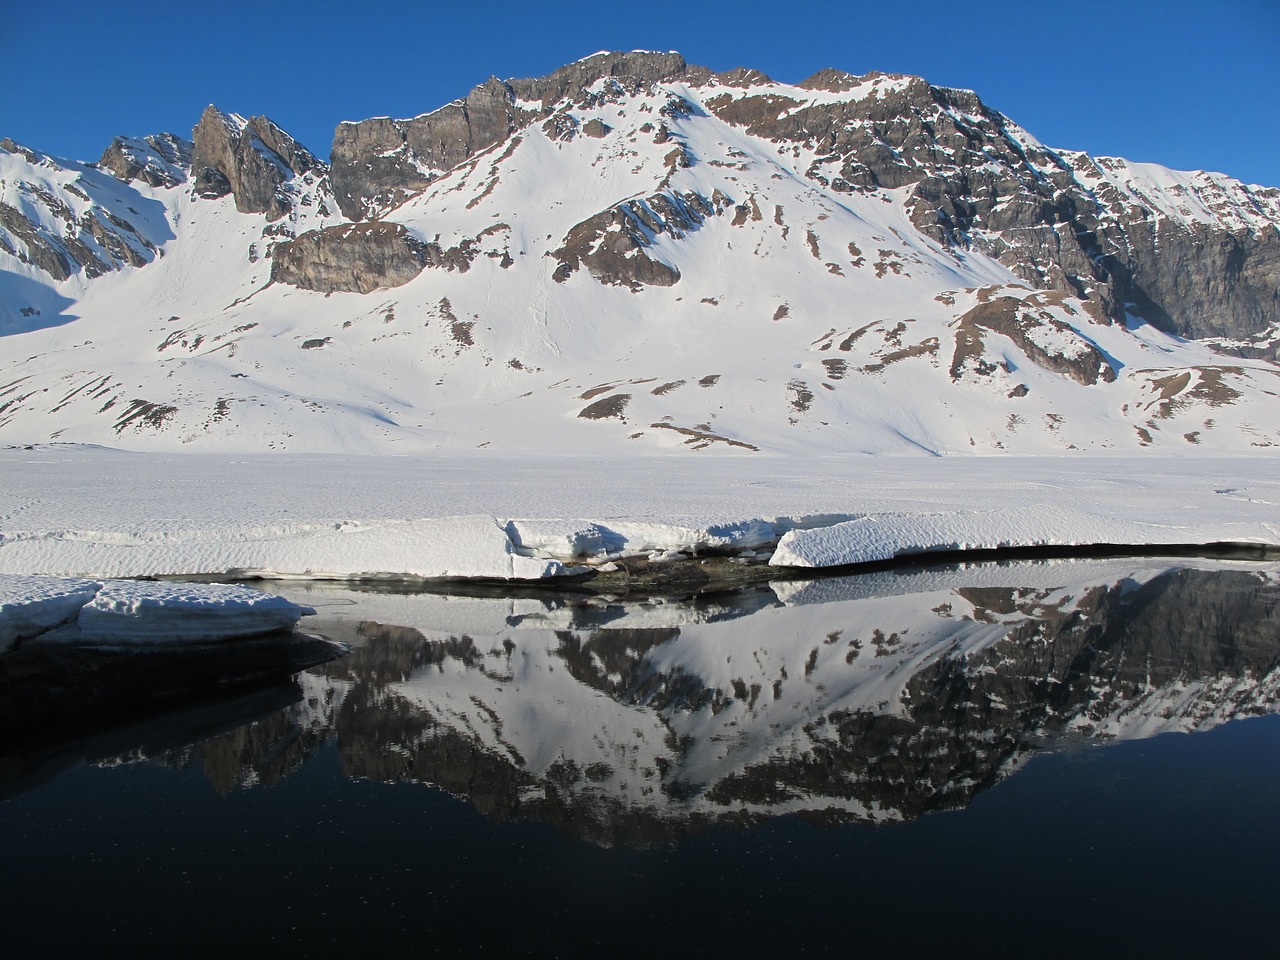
53	693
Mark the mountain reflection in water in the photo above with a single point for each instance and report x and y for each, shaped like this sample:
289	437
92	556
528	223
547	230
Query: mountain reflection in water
872	698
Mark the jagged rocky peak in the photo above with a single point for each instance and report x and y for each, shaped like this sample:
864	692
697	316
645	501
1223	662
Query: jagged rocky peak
249	159
160	160
297	157
12	146
640	65
742	77
834	81
378	163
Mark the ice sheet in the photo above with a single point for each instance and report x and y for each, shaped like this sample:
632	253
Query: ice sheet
132	613
885	536
35	605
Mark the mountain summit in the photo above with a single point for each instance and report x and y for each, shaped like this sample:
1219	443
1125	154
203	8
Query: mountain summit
634	254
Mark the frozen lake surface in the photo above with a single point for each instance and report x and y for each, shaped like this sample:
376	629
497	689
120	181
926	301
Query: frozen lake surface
82	511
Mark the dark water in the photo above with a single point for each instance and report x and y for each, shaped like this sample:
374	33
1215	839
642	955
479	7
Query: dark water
1034	759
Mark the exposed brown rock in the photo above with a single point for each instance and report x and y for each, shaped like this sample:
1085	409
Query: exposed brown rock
742	77
834	81
159	161
801	396
1011	317
1206	385
355	258
250	160
698	439
144	413
612	406
561	126
40	249
612	244
12	146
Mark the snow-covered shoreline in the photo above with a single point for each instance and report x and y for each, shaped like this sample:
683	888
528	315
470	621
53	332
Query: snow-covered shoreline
41	610
92	512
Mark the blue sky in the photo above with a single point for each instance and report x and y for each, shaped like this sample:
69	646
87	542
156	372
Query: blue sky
1189	85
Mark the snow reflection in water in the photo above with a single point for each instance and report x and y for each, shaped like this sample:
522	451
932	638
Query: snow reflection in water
872	698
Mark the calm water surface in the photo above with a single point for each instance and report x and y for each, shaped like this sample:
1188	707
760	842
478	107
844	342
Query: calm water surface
1023	759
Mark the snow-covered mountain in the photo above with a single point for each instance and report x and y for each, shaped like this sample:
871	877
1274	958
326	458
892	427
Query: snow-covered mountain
635	254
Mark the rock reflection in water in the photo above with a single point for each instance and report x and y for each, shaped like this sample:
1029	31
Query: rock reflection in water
872	699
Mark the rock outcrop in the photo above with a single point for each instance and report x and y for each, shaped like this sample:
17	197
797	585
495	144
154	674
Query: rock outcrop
612	244
1045	340
358	258
161	160
249	159
67	231
361	258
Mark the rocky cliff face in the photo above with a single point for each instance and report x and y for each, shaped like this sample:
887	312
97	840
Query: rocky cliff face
378	163
250	159
161	160
1200	281
1060	221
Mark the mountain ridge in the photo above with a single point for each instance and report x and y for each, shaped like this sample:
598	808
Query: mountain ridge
923	263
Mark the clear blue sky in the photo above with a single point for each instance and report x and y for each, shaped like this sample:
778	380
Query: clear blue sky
1189	85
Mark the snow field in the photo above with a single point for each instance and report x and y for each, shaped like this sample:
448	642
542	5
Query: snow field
461	518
